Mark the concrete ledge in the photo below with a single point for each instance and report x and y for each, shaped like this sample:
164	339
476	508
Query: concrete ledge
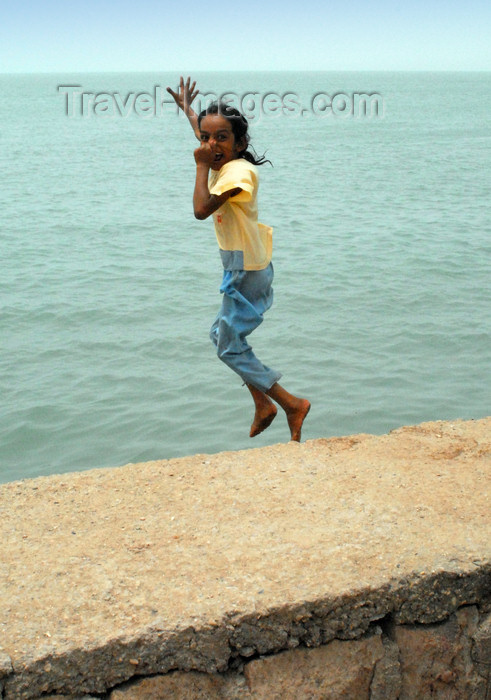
202	566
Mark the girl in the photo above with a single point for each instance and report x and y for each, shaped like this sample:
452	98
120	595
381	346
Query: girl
226	188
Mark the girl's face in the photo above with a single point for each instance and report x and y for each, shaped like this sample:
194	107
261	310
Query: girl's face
216	131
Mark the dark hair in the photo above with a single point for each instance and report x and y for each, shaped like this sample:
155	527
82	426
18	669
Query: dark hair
240	127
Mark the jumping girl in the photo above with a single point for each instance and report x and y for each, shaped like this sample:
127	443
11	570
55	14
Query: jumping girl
226	188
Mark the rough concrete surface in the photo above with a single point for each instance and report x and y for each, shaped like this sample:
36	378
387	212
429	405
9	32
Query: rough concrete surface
202	563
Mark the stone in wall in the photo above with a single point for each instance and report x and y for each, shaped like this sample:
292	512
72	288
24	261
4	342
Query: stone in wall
340	669
436	660
386	682
179	685
69	697
481	649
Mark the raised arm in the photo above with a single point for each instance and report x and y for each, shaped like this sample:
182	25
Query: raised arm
184	99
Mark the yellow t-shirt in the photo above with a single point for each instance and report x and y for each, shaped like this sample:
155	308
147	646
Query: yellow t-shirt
245	244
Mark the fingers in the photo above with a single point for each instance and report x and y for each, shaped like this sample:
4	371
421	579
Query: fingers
190	90
186	92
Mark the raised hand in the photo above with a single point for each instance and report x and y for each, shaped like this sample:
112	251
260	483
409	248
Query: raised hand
185	96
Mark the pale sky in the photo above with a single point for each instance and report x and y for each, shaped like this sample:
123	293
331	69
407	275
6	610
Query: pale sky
157	35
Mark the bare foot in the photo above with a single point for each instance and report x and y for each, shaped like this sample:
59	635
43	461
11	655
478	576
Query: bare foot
296	416
296	409
263	418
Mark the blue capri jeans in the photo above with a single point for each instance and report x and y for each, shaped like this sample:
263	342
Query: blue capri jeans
246	296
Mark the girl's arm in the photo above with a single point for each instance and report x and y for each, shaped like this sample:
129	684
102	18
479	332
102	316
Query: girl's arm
205	203
183	100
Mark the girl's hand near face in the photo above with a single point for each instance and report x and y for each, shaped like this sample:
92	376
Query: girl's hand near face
203	155
205	203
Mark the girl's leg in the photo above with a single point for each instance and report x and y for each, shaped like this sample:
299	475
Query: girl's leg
296	409
265	411
247	295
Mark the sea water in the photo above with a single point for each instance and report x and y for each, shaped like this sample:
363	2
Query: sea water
109	285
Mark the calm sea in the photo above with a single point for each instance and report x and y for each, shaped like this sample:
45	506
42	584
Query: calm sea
108	284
